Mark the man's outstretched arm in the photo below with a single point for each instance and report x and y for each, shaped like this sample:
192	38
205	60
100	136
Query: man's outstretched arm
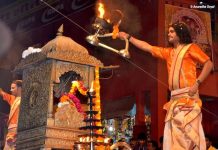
7	97
136	42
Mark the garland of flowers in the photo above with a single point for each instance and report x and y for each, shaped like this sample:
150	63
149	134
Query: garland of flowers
97	102
70	98
78	85
115	31
97	107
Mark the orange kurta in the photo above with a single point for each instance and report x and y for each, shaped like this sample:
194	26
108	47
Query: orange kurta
14	119
187	76
183	129
192	56
14	103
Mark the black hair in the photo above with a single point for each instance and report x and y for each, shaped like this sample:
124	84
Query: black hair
208	137
122	140
18	83
182	31
161	139
154	144
141	136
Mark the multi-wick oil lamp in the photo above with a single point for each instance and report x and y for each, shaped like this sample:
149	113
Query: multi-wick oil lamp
102	29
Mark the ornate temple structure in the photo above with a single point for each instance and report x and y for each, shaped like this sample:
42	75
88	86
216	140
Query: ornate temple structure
40	125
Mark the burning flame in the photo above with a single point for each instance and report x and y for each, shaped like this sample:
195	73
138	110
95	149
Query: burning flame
101	10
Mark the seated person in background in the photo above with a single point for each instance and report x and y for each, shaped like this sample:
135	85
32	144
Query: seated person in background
161	143
141	145
121	145
132	143
152	145
110	143
209	143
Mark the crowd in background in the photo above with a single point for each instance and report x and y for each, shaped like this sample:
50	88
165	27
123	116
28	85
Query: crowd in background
141	143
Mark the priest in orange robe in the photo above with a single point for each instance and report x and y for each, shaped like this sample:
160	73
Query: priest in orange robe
14	102
183	129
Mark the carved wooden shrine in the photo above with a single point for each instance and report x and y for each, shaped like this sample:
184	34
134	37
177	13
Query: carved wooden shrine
40	126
